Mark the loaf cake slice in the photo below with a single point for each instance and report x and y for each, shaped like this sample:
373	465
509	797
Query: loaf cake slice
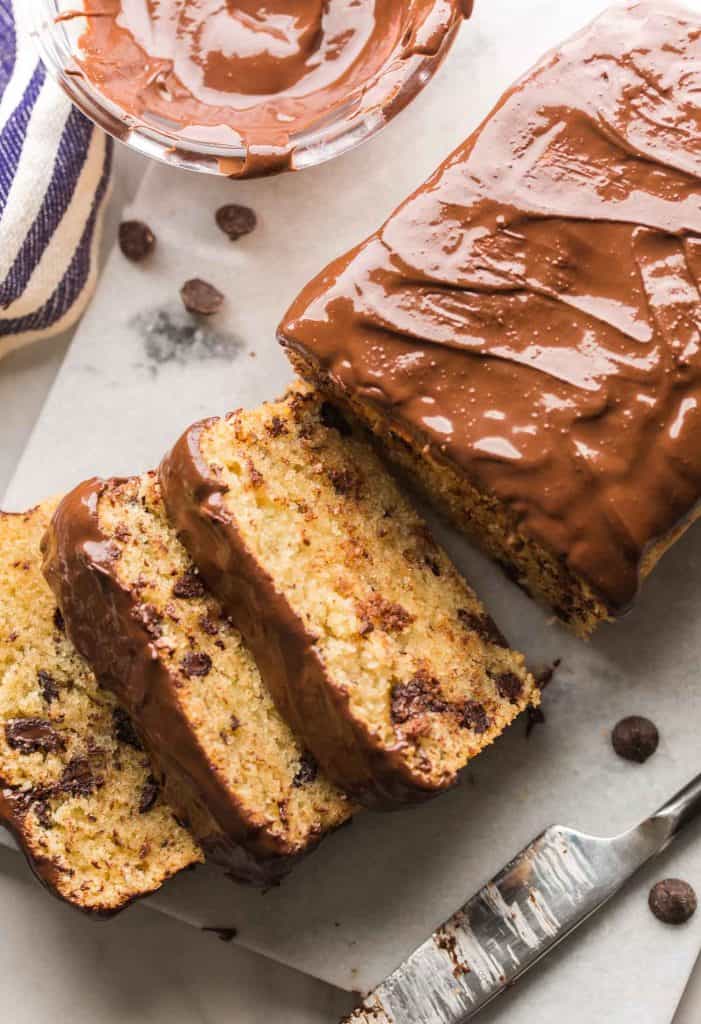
523	334
76	786
140	614
376	650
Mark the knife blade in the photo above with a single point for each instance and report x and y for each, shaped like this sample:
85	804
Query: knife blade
539	898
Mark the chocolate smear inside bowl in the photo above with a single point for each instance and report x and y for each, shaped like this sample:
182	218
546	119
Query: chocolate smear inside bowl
258	87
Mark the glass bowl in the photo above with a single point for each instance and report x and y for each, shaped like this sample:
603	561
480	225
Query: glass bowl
345	128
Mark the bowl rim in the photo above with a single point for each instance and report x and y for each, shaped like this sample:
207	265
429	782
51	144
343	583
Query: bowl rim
348	128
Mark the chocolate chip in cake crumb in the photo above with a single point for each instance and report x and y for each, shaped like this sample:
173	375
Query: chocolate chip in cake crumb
235	220
124	730
254	474
190	584
33	735
59	623
307	771
277	427
225	934
509	686
332	417
136	240
151	618
672	901
234	723
419	695
42	811
208	626
375	611
345	482
200	297
196	663
635	738
78	778
484	626
474	716
47	685
149	795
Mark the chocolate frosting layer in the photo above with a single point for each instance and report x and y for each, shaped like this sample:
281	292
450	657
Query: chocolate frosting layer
102	622
259	73
533	311
285	652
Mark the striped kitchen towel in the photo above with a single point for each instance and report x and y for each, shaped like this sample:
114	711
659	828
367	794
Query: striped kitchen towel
54	176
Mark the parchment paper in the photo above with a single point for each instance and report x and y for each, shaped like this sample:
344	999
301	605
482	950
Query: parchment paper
137	374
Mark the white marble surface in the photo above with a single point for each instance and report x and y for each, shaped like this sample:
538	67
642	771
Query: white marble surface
516	788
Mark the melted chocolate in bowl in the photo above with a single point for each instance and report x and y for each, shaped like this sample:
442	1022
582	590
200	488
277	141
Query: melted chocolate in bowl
257	74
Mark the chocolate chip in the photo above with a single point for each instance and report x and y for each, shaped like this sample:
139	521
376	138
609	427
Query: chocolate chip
234	723
149	795
474	716
47	685
332	417
509	686
30	735
208	625
189	585
200	297
42	810
377	612
59	624
635	738
78	779
484	626
235	220
345	482
151	618
307	771
196	663
225	934
124	730
672	901
419	695
136	240
276	427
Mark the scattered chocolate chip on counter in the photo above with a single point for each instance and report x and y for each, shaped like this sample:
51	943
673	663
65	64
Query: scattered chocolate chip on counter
635	738
236	220
672	901
201	297
136	240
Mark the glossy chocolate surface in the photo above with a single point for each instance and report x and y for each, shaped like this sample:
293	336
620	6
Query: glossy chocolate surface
533	311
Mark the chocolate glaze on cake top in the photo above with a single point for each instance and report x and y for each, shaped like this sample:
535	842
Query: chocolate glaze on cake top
533	311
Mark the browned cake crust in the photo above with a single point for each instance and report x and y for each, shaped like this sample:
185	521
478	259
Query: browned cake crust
117	615
322	492
76	787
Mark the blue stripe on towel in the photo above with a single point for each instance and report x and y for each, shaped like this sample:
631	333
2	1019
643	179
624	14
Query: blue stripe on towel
70	159
13	133
8	51
76	274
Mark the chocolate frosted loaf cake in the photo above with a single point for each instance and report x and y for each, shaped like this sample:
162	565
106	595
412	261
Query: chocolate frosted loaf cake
139	613
76	787
374	647
523	334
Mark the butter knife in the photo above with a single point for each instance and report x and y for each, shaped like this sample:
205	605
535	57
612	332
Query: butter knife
540	897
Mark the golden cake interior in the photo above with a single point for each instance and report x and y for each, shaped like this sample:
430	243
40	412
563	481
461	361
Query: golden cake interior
78	787
396	627
220	693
